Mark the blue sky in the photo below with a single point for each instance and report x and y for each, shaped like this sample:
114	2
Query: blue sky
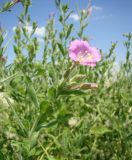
109	20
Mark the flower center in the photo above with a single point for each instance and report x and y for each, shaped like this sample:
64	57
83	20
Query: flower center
84	56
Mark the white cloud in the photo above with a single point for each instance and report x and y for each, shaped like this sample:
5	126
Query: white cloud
102	17
14	28
29	28
74	16
113	75
97	8
40	31
115	69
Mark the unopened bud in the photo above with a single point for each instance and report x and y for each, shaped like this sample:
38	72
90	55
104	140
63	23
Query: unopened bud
89	11
84	86
16	1
78	77
51	15
83	11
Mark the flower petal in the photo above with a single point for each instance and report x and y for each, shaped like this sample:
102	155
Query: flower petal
82	52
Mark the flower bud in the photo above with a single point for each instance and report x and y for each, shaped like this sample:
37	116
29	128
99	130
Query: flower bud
89	11
84	86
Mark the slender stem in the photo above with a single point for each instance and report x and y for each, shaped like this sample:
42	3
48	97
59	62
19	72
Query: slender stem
34	126
45	151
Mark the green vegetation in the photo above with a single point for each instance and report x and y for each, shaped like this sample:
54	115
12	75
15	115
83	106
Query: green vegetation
41	118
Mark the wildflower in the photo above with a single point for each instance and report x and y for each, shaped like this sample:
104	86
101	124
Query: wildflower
80	51
10	135
73	122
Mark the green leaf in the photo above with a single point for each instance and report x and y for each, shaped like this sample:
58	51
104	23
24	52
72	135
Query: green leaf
68	15
84	26
30	142
61	19
32	93
1	51
57	2
65	8
32	152
8	78
99	130
74	92
128	55
1	156
6	7
69	30
26	4
44	106
33	138
61	48
50	124
51	71
1	40
17	50
52	92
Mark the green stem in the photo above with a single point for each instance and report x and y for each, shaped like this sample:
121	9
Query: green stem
17	117
67	74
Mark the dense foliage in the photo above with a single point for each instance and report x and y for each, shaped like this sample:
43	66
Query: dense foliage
42	117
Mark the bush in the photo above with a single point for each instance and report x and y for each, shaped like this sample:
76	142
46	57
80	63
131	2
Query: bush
48	114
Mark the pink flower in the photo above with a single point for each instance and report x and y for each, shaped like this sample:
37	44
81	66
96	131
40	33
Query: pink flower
81	52
89	11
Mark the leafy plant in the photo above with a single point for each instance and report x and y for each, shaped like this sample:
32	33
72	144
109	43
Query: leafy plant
47	110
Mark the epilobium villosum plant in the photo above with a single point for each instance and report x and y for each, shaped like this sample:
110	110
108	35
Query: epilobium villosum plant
73	104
